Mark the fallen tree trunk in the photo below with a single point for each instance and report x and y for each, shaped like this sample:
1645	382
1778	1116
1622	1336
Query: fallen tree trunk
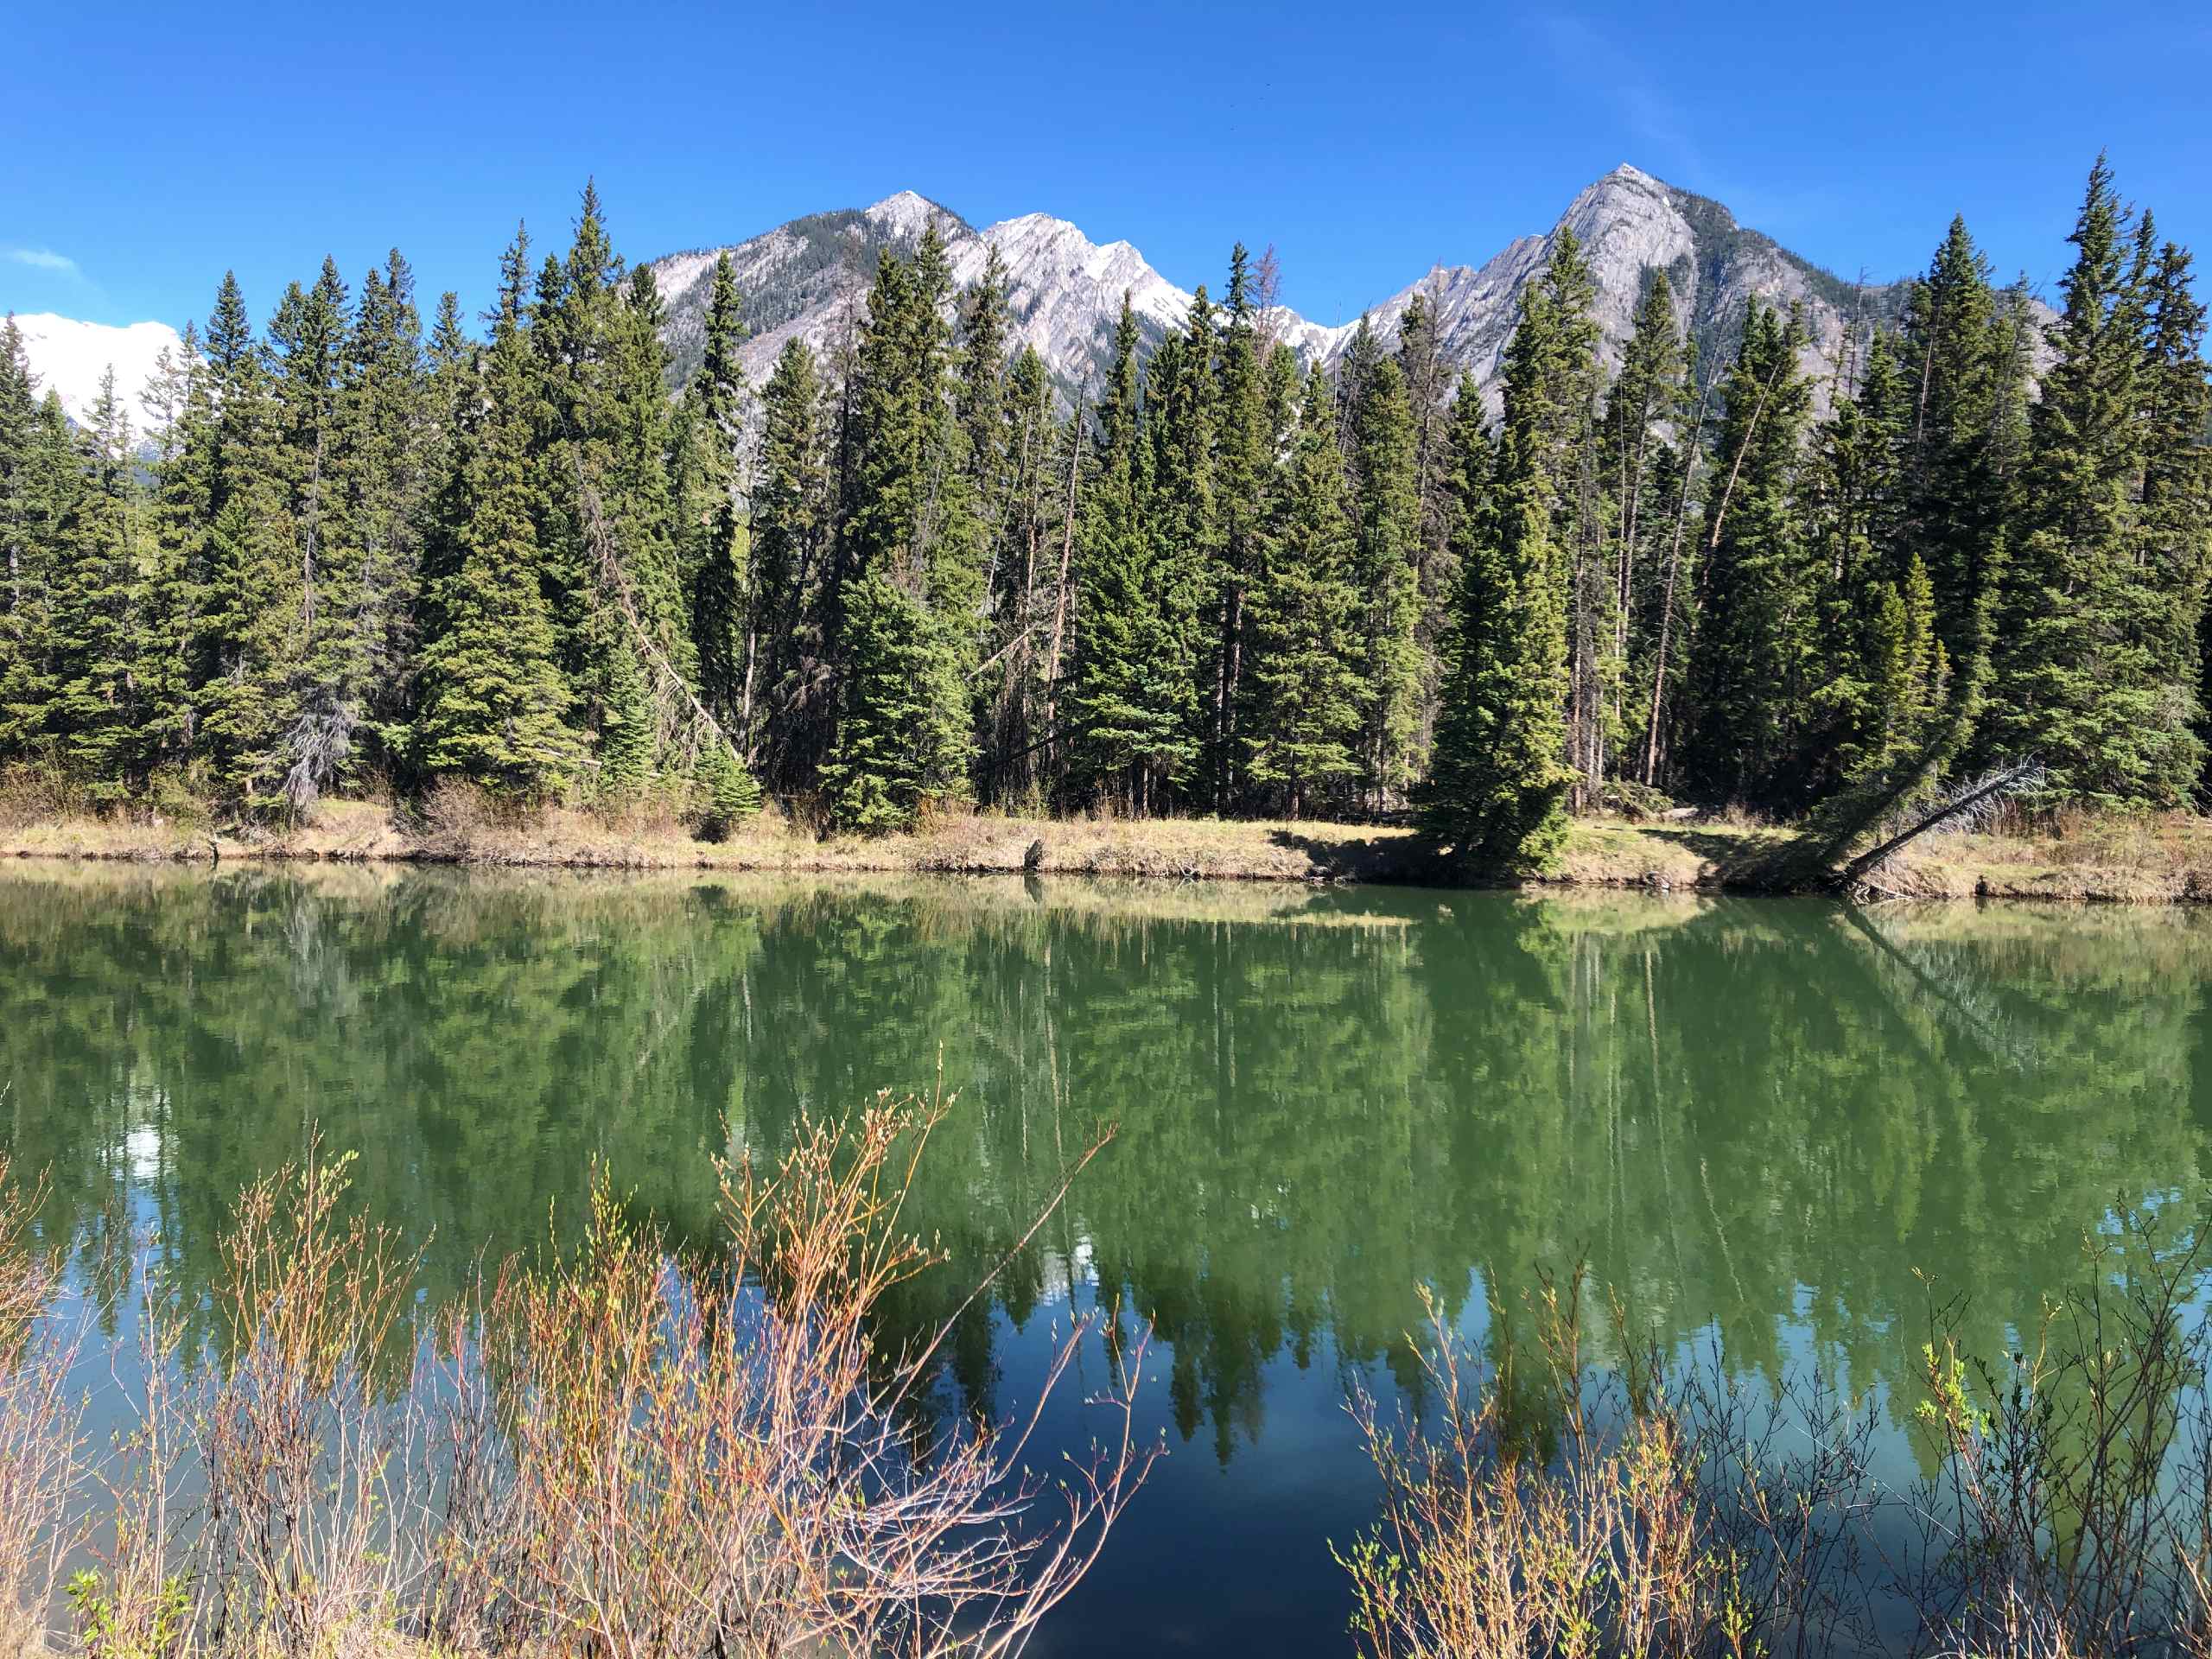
1963	804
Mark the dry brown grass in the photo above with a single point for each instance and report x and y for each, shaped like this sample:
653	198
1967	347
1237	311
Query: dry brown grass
1526	1514
40	1439
2125	857
2118	857
1538	1508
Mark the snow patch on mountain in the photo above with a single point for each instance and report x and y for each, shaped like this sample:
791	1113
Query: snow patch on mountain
905	216
809	279
69	357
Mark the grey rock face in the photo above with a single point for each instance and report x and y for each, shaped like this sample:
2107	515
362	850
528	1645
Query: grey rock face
809	279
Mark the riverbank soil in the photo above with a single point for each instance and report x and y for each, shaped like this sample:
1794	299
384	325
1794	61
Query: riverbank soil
2133	859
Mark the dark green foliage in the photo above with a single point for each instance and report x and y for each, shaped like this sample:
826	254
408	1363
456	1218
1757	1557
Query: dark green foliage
1386	509
93	716
1753	667
1132	739
926	567
912	620
626	733
2098	624
1497	791
794	590
732	792
902	736
1307	688
717	551
493	697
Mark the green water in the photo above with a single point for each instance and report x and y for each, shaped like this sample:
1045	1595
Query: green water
1760	1120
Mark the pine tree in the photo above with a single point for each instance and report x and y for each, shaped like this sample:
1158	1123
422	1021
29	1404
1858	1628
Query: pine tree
39	482
718	558
1307	693
1497	791
625	741
493	693
2103	583
1635	466
793	591
1956	385
732	792
247	614
904	736
1385	508
1199	632
1752	666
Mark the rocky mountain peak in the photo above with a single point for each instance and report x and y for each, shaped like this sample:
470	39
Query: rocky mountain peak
905	216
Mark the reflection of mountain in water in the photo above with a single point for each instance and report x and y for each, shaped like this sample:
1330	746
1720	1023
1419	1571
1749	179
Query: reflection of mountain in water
1743	1113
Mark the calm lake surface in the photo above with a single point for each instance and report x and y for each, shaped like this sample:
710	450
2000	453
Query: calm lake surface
1762	1122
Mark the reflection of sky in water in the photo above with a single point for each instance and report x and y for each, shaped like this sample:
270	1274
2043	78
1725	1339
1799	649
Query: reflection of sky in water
1755	1119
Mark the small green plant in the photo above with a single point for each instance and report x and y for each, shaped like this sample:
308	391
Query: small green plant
733	794
109	1631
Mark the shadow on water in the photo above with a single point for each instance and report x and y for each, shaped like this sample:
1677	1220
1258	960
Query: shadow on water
1759	1120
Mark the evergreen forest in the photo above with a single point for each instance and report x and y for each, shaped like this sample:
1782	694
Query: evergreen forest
910	571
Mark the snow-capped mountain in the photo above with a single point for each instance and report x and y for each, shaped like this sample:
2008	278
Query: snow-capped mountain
1065	291
808	278
69	357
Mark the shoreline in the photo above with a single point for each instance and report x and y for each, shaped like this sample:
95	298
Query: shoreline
2139	860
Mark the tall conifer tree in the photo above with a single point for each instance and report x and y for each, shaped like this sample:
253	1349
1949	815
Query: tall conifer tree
1496	795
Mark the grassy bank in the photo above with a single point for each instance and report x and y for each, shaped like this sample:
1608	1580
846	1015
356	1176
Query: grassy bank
2113	858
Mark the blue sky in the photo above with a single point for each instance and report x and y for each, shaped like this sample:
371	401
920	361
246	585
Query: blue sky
147	149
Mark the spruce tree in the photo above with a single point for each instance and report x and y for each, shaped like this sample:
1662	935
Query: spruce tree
718	555
169	674
1497	791
625	742
1307	680
388	420
732	792
904	736
1386	509
40	479
1131	738
1635	463
1753	664
1426	369
325	667
94	715
792	592
1199	632
246	620
2103	582
1955	387
1238	480
492	692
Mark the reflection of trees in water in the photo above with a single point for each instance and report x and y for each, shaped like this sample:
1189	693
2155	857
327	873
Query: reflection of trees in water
1742	1112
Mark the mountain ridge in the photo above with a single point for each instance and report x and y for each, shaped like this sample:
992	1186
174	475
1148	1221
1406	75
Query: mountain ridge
1064	290
808	278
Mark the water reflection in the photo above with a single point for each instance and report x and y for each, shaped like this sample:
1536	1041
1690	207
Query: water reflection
1756	1119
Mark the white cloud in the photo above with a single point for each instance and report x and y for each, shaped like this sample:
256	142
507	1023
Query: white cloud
70	357
44	259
